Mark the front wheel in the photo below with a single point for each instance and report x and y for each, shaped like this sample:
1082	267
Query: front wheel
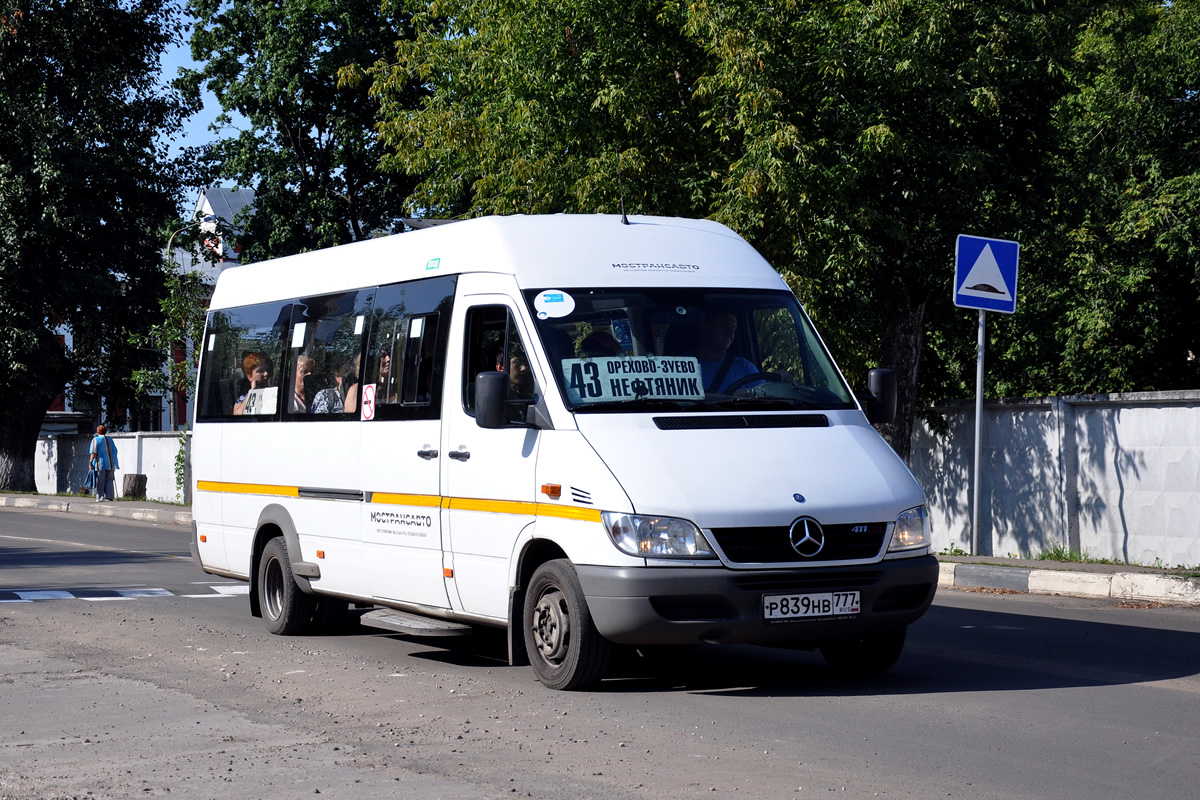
866	655
285	608
565	649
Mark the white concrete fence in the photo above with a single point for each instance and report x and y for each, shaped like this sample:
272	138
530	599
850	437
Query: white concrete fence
61	463
1113	476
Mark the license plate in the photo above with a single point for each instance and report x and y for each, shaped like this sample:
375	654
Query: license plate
807	606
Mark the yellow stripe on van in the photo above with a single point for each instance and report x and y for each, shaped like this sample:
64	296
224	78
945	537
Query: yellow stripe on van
248	488
494	506
424	500
568	512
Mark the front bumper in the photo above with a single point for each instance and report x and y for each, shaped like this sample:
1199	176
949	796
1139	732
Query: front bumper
664	605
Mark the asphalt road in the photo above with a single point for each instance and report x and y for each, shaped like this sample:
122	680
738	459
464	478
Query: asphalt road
161	684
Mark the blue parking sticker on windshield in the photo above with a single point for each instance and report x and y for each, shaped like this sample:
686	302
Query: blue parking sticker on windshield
553	303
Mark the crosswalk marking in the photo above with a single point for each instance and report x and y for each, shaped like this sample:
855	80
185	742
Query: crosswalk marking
108	595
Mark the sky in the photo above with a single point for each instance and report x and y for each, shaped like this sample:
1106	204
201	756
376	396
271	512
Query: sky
195	130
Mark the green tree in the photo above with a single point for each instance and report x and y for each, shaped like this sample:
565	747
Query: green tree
1122	312
180	325
547	107
85	192
309	150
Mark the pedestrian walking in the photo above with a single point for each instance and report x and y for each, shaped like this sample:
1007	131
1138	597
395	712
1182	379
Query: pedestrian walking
103	459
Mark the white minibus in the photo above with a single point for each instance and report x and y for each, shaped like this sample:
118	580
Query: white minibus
591	432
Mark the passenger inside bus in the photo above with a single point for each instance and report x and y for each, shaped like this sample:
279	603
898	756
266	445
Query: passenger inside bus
340	398
257	368
302	395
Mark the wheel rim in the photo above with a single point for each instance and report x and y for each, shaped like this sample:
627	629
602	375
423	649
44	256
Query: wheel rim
552	626
273	588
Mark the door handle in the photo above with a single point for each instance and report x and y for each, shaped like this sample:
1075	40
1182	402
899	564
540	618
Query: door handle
427	453
460	455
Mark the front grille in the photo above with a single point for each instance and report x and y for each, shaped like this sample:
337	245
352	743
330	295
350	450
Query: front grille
772	545
799	582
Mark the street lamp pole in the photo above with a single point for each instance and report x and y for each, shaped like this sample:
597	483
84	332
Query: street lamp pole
169	259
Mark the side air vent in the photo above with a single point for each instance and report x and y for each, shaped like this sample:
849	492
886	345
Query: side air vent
580	496
725	421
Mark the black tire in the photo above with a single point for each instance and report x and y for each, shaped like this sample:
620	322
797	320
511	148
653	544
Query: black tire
285	608
565	649
865	655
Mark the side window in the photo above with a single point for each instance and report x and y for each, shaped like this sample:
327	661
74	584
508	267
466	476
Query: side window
243	351
493	343
325	355
406	354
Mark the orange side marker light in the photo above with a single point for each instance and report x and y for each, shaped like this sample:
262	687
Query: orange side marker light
447	572
320	554
552	490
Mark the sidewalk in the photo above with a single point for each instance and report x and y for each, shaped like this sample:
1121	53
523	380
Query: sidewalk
1115	581
141	510
984	573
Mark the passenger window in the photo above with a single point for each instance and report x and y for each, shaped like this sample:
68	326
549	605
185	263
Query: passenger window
325	355
407	349
493	343
243	352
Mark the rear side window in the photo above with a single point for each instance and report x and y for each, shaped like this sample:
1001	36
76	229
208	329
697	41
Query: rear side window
325	356
239	372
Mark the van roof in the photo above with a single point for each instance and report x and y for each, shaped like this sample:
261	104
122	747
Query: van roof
541	251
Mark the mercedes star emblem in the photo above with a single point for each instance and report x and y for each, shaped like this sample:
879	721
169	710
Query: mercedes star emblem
807	537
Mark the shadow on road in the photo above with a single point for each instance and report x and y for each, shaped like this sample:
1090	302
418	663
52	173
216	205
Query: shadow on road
949	650
19	558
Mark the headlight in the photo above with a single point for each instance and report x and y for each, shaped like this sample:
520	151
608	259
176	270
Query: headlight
912	530
656	537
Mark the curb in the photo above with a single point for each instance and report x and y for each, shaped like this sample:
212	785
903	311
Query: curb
91	507
1115	586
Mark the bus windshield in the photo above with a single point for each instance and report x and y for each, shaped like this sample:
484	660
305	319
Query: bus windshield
671	349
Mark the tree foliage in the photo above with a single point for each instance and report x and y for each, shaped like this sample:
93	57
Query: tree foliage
851	142
85	190
309	147
544	107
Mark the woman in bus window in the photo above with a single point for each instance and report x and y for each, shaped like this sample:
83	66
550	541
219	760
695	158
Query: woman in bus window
257	367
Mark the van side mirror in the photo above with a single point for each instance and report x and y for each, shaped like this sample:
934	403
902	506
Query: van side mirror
491	400
494	404
881	404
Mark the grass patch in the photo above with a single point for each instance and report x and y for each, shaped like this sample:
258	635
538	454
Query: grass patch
1061	553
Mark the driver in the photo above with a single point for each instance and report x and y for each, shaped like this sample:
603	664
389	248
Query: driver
720	367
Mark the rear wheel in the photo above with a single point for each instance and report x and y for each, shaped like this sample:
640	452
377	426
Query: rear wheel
865	655
565	649
285	608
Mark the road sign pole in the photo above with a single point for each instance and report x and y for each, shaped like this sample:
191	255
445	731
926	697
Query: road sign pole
985	279
975	538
